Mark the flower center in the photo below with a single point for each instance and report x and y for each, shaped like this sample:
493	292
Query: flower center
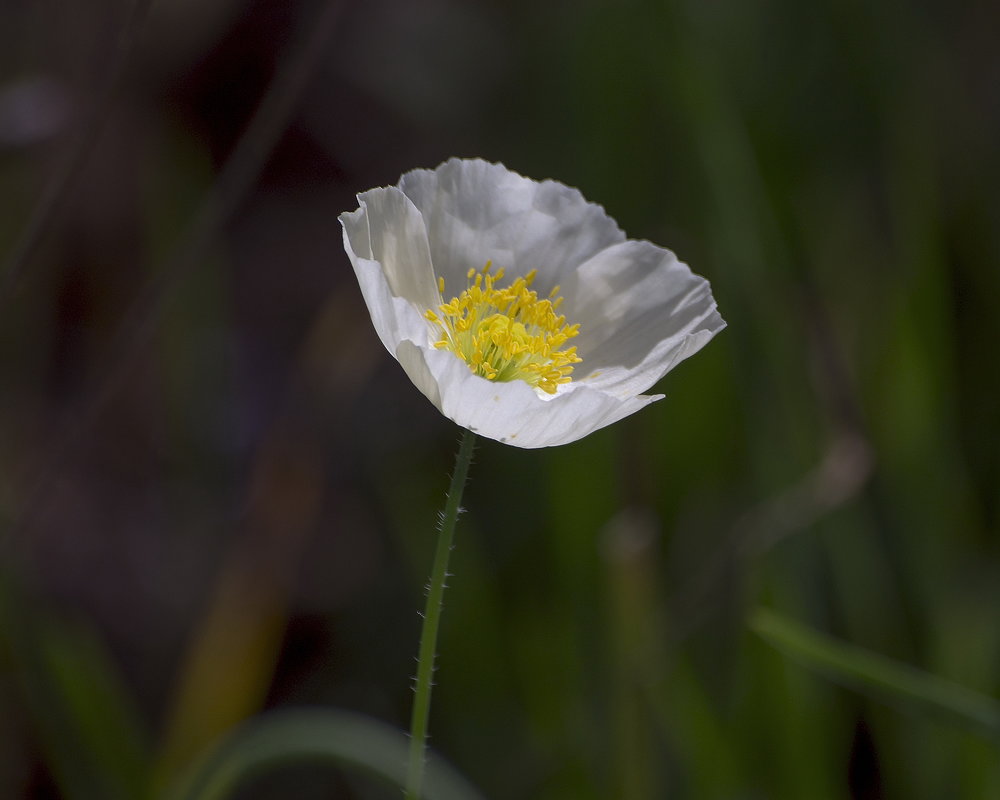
507	334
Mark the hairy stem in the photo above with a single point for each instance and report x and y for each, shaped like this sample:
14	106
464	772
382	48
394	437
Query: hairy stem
432	619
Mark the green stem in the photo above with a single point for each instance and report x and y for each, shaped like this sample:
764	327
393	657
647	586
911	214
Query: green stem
432	619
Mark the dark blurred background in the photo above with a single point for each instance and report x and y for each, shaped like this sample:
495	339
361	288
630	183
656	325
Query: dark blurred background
218	493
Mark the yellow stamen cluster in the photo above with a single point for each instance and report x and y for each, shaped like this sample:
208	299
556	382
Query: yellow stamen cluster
507	334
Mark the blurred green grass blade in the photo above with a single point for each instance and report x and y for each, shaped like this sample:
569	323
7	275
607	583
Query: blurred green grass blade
284	737
87	725
100	706
878	676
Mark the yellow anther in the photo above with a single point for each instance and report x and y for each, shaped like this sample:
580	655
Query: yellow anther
507	333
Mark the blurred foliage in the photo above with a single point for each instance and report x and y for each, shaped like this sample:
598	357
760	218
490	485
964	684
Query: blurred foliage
218	494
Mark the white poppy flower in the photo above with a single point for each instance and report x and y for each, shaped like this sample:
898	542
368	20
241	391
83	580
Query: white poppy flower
518	308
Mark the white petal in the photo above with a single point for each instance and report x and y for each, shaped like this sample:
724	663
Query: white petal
641	312
357	237
512	412
477	211
398	240
394	318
